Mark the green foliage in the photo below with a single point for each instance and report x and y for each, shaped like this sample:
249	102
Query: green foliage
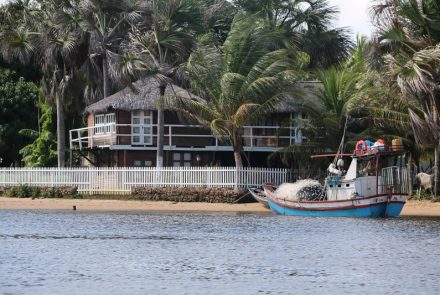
423	195
42	152
18	111
309	23
23	191
409	32
52	192
240	83
329	109
217	19
26	191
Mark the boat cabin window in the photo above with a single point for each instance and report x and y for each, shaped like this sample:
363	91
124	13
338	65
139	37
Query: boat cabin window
366	167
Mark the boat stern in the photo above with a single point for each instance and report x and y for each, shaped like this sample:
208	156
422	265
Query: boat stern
395	205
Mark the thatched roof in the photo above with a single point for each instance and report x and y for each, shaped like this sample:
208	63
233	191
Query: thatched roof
145	97
148	91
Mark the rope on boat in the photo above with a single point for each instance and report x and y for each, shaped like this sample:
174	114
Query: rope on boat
241	197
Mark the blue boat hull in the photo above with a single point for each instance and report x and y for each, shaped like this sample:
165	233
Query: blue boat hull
394	209
374	210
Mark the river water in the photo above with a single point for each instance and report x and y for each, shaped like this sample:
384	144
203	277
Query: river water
47	252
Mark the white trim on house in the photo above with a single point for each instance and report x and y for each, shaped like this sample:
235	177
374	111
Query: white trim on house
142	127
104	123
278	138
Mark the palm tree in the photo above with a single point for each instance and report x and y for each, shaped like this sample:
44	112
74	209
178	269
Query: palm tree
217	17
47	34
16	35
409	29
234	87
328	111
330	108
108	22
158	50
420	78
308	23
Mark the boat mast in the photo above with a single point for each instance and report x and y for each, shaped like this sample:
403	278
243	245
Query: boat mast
340	150
377	173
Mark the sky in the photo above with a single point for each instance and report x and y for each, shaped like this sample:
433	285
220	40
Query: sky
353	14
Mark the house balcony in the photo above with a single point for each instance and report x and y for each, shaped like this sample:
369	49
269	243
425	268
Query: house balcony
180	138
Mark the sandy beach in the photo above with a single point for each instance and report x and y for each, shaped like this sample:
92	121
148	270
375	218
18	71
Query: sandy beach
412	208
127	205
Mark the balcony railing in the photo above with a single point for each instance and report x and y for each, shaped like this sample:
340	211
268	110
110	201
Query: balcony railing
180	137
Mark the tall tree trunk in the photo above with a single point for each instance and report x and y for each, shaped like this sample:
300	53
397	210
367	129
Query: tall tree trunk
437	170
237	158
105	77
410	175
160	129
236	142
60	131
436	117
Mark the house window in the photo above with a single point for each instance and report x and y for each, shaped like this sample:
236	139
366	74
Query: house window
105	123
99	122
140	163
181	159
110	120
142	127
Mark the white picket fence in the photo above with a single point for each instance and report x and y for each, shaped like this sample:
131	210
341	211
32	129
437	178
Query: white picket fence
122	180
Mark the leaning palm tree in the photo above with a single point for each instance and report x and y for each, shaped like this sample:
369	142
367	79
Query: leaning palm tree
235	88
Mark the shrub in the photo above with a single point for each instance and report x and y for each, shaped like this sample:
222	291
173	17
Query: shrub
22	191
423	195
25	191
3	191
50	192
187	194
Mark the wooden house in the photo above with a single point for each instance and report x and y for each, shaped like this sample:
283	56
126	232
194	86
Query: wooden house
122	132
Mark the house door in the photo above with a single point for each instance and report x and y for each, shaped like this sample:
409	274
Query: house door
142	127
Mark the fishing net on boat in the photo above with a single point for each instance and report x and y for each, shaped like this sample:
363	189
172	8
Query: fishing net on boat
302	190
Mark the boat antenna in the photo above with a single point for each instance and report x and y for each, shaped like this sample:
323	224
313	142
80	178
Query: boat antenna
341	145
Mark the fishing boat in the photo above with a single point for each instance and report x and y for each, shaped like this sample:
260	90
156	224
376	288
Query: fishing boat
375	185
258	194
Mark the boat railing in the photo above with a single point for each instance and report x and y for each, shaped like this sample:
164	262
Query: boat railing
394	179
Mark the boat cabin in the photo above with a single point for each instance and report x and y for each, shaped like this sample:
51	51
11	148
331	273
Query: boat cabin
371	172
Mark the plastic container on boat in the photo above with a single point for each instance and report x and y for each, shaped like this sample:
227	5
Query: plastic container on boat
396	145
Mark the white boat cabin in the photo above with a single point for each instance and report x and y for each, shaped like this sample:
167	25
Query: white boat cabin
378	173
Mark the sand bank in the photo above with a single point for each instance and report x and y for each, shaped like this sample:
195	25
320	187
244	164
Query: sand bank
125	205
412	208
